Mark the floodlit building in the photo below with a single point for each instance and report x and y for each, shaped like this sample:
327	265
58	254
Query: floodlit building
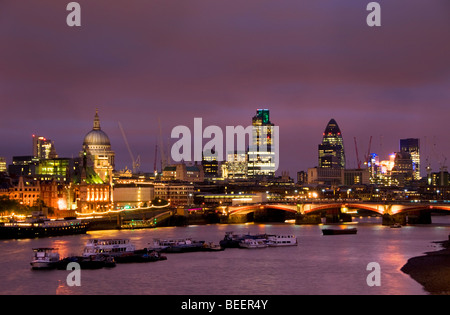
261	152
331	150
43	148
412	146
97	151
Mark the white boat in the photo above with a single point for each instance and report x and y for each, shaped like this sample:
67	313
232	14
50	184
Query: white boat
253	243
112	247
177	245
45	258
281	240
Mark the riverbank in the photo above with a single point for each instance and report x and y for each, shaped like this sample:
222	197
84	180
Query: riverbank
432	270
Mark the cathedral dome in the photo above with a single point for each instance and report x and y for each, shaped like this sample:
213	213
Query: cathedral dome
96	137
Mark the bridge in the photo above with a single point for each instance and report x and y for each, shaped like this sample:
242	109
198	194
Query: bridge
340	208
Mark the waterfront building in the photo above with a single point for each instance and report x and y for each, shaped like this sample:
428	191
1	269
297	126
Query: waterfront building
331	150
97	151
43	148
26	191
93	197
54	194
134	195
412	146
261	152
177	194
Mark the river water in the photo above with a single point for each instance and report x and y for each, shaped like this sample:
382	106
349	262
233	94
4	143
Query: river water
318	265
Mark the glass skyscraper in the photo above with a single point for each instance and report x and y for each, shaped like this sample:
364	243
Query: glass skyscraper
261	153
331	150
412	146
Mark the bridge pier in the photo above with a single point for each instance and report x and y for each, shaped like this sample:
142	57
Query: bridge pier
389	219
419	217
301	219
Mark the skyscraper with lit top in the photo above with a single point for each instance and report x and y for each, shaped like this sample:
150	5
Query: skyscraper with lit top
261	152
331	150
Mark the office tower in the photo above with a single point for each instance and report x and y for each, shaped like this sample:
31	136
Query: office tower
97	152
236	165
412	146
331	150
403	171
261	152
3	165
210	163
43	148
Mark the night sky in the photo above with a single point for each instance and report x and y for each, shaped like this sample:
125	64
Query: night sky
306	60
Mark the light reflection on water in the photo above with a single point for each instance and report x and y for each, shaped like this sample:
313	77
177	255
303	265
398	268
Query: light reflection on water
318	265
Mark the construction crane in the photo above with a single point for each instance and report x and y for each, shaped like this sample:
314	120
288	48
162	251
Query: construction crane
136	163
366	162
161	147
155	170
357	155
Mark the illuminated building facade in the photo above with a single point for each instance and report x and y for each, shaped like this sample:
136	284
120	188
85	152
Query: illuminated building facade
23	166
93	197
183	172
26	191
43	148
412	146
135	195
176	194
236	165
261	153
210	163
331	150
402	172
58	168
97	152
3	168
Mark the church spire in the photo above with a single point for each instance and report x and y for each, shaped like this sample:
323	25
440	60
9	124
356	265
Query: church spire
96	121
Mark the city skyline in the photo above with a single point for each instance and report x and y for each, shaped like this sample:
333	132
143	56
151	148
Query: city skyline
332	130
306	62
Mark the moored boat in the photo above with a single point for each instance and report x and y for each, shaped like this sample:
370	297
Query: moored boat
44	258
253	243
232	240
91	262
177	245
42	227
281	240
212	247
141	256
339	231
110	247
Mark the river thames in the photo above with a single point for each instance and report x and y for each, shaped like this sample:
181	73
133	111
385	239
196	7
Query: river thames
319	265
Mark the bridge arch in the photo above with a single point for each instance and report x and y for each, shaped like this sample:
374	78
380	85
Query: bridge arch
252	208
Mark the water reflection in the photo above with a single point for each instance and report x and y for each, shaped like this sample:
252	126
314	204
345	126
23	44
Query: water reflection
318	265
